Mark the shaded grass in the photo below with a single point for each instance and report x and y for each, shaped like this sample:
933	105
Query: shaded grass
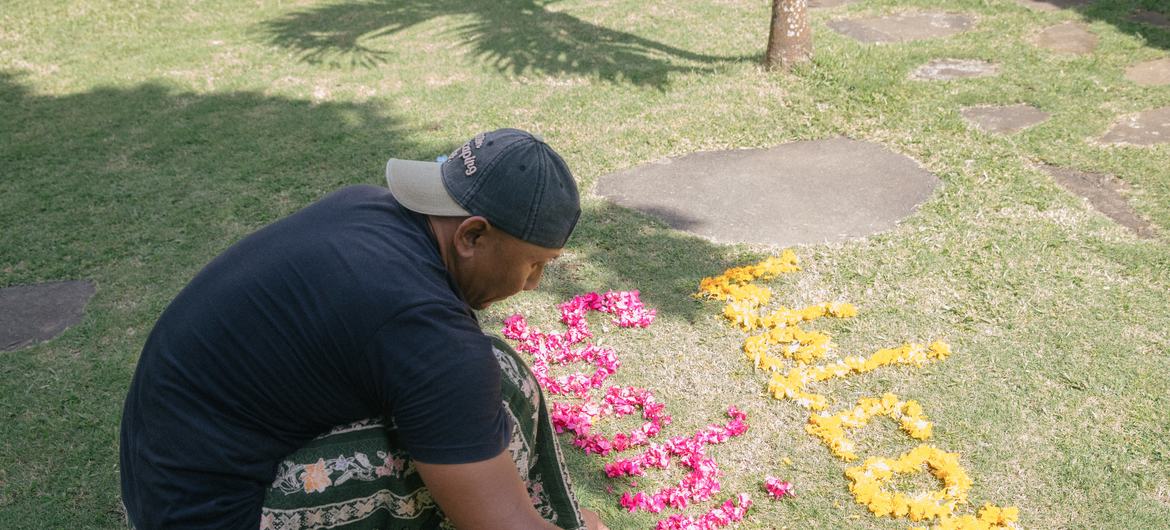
134	155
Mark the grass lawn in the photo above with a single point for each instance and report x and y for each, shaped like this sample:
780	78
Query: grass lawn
138	139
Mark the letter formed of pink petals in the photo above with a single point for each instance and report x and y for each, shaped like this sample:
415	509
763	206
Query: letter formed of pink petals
556	348
777	488
625	306
728	512
699	485
618	401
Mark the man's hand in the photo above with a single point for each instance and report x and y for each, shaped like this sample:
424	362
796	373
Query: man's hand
487	495
592	520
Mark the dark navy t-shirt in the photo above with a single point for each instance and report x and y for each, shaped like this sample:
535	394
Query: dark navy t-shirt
340	312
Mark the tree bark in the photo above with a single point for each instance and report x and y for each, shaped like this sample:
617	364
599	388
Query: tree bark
790	39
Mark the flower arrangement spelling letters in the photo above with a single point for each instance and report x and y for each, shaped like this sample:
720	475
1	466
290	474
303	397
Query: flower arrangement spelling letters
580	417
778	339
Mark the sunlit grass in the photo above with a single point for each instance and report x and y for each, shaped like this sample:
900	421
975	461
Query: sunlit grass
138	140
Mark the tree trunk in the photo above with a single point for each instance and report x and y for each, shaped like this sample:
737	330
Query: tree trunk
790	40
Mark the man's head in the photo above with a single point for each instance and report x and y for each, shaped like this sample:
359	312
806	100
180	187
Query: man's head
502	206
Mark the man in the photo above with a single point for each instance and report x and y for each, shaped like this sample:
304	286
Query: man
358	306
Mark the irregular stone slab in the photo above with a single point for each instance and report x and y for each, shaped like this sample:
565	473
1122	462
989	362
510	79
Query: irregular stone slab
35	313
948	69
903	28
1144	128
1105	193
1053	5
1152	18
1004	120
795	193
1069	37
817	4
1150	73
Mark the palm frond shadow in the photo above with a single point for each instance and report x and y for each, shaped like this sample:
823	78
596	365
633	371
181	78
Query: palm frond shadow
514	36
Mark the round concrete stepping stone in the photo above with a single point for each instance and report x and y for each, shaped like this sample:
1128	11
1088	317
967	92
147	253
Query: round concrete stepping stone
903	28
1068	38
1004	119
35	313
1150	73
1105	193
818	4
1053	5
795	193
1144	128
948	69
1152	18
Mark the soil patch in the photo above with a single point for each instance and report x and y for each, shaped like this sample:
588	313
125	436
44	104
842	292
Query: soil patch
1004	120
1152	18
1107	195
35	313
903	28
1068	38
817	4
1144	128
948	69
1053	5
1150	73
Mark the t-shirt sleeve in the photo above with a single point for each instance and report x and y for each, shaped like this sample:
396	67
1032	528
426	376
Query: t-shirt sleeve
441	386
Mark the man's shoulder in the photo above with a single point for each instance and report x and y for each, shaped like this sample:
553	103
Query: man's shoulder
358	193
363	190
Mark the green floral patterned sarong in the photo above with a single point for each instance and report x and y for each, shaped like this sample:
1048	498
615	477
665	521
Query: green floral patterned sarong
355	477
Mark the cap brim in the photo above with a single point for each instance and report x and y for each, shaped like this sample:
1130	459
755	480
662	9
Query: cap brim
418	186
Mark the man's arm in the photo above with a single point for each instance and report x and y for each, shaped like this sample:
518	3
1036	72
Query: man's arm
485	495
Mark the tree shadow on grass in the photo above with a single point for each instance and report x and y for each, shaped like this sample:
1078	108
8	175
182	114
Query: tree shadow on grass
514	36
113	174
148	183
633	250
137	188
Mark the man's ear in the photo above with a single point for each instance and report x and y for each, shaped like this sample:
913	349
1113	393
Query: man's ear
469	236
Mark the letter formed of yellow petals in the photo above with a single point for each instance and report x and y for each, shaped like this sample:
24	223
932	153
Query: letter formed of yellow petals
831	428
796	344
868	481
990	517
730	284
791	385
743	301
780	331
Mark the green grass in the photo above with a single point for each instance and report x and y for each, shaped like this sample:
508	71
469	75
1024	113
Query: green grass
139	139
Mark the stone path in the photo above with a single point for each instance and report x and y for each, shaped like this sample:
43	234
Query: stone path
1105	193
1053	5
903	28
829	190
35	313
1150	73
818	4
797	193
1144	128
1067	38
949	69
1004	119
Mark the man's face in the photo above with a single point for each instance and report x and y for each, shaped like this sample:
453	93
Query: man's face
501	266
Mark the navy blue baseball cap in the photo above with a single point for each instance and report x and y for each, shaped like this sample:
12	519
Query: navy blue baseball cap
509	176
